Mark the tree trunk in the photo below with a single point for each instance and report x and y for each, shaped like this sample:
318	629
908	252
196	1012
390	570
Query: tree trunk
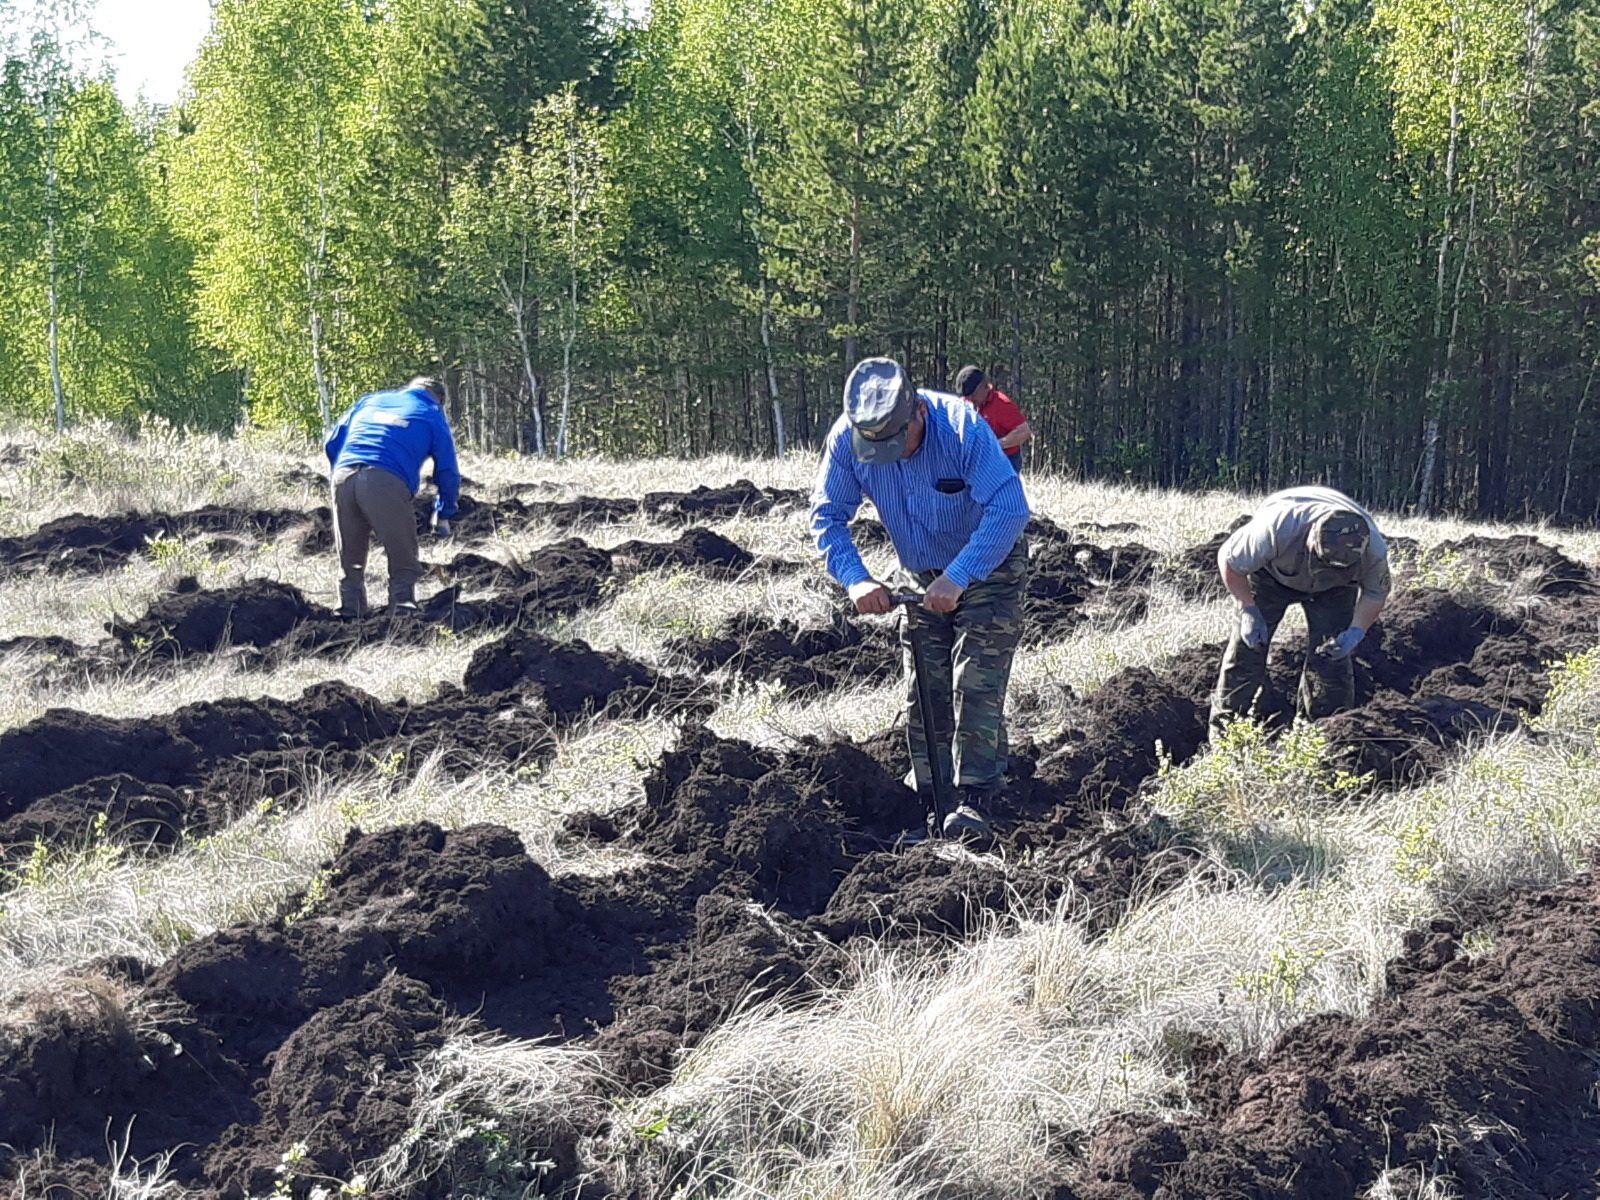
780	443
314	266
1440	376
516	307
51	251
568	338
1572	438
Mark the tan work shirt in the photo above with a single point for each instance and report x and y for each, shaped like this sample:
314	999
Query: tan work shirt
1275	539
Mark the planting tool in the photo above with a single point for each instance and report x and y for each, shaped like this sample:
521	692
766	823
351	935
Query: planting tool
943	801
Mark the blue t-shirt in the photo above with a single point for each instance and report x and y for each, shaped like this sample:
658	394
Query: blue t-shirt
397	431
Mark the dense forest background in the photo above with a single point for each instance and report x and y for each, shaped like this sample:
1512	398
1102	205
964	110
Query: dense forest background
1236	242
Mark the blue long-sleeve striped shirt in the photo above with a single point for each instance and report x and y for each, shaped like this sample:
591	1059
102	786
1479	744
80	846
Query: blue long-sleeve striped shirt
954	506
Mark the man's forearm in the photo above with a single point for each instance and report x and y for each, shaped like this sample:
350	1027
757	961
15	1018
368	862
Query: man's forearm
991	542
1367	610
840	557
1017	438
1238	585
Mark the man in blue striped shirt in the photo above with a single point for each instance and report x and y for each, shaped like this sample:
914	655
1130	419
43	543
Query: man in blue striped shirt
955	511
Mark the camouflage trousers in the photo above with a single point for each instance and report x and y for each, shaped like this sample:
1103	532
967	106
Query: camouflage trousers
969	652
1325	685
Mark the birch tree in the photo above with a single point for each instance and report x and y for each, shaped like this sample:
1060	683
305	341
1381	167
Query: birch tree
1456	74
266	182
534	237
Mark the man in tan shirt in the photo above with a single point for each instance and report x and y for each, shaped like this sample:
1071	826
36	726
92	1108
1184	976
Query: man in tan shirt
1311	546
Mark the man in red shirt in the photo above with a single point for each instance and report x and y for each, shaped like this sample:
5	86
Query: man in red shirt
999	410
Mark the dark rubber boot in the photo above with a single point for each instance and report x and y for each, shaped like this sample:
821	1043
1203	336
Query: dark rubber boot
402	598
966	822
352	599
970	821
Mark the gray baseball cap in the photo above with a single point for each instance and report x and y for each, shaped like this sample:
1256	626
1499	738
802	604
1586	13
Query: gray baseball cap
1340	538
879	401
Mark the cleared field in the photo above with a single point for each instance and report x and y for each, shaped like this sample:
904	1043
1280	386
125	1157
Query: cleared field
590	883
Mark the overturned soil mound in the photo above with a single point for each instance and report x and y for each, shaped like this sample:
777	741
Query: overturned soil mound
1537	567
192	621
1070	582
845	652
1480	1072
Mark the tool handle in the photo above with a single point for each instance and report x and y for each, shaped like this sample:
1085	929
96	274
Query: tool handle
907	597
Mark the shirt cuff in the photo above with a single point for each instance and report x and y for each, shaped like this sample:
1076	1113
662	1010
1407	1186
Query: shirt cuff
958	575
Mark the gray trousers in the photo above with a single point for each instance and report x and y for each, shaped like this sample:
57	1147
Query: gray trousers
970	652
1325	685
368	500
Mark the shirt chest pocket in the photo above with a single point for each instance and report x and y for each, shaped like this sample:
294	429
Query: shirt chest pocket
945	512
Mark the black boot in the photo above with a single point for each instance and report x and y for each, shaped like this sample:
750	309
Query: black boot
352	599
402	599
970	820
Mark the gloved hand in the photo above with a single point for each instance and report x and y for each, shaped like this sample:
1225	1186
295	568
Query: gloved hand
1343	646
1253	630
942	596
441	528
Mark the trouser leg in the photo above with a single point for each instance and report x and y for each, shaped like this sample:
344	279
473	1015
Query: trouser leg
988	626
1244	670
352	540
386	500
1326	685
937	632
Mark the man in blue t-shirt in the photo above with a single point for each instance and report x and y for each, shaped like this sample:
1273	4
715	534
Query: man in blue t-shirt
376	452
955	511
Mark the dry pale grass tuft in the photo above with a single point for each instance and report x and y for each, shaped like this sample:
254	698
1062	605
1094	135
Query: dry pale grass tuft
389	672
489	1109
84	1001
101	468
604	476
977	1075
922	1080
1412	1183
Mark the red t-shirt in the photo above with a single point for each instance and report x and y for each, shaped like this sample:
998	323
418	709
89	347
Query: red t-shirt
1002	414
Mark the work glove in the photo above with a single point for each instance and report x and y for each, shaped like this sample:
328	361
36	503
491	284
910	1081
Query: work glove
942	596
441	527
1253	631
1343	646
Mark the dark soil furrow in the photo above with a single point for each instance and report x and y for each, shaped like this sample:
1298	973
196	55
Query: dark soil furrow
264	624
88	544
82	544
155	780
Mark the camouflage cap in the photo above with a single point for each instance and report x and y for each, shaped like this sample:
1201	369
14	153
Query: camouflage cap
879	401
1340	538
